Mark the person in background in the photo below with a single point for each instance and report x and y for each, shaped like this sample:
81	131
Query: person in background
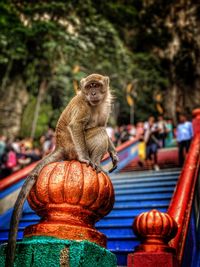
140	130
2	147
28	143
46	141
170	133
16	144
132	131
33	155
116	137
162	130
184	136
152	142
124	134
9	161
141	145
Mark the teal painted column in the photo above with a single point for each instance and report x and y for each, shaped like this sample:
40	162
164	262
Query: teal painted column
42	251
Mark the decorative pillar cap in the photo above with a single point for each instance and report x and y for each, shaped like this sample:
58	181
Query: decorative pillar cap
156	229
70	197
196	112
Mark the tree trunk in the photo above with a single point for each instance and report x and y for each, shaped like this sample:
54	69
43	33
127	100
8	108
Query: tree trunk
42	90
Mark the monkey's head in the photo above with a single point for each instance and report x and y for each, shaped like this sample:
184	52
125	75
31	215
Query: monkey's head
95	88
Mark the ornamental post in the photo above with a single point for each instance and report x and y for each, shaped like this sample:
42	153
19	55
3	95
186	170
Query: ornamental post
70	198
155	230
196	121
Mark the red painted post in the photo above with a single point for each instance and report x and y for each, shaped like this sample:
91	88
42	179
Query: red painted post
181	203
155	229
196	120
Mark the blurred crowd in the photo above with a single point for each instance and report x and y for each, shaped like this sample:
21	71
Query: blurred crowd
164	131
19	153
155	134
152	134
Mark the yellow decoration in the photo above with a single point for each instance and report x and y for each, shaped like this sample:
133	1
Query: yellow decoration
75	84
130	100
129	94
158	97
129	88
159	108
142	150
76	69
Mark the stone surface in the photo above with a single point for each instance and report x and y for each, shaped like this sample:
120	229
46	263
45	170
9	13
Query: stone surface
53	252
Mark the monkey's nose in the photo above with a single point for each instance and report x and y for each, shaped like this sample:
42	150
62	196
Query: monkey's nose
93	93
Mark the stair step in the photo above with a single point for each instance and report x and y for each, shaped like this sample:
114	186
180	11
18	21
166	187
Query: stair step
128	212
153	196
138	191
144	174
121	255
145	203
111	232
145	185
118	245
145	180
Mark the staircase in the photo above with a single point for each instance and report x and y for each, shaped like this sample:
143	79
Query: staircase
135	192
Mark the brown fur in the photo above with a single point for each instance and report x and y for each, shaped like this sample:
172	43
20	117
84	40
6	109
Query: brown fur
80	134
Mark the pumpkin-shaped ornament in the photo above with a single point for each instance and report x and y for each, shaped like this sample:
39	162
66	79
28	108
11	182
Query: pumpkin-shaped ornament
70	197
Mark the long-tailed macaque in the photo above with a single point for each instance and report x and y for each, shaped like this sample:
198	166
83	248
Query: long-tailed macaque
80	134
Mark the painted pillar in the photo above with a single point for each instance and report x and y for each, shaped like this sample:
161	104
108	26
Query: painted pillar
155	230
70	198
196	120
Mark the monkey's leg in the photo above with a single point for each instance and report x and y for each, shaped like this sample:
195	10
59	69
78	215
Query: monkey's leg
113	155
28	184
97	143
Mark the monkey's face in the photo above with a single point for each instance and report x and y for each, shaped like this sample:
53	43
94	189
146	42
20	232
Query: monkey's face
95	88
94	92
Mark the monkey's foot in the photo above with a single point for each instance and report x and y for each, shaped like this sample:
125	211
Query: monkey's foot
113	168
89	163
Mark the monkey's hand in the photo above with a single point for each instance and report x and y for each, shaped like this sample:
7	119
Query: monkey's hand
88	162
100	169
115	160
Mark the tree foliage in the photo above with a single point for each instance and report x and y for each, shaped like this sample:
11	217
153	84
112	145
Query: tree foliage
62	41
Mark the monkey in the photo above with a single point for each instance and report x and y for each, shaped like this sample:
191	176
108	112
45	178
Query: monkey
80	135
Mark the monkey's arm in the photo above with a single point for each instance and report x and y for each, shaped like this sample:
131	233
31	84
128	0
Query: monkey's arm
113	154
76	128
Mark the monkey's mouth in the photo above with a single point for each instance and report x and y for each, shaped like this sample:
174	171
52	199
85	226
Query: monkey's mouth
95	102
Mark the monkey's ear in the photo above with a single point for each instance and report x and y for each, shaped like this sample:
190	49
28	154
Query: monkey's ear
82	83
106	80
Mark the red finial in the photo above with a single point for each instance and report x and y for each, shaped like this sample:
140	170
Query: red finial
196	121
156	229
70	197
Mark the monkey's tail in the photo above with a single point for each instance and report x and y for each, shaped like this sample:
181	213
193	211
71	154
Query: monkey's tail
10	255
26	188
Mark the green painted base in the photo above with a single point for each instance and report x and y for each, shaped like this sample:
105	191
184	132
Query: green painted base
52	252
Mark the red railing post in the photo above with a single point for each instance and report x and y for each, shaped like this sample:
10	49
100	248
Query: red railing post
196	121
181	202
155	229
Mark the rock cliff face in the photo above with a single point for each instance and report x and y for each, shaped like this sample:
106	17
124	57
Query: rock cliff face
12	102
181	54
